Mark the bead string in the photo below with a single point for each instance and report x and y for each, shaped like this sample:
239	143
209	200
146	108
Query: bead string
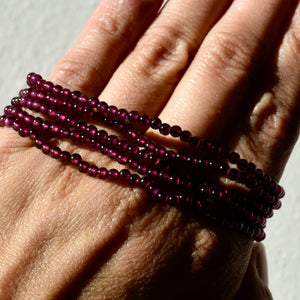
170	177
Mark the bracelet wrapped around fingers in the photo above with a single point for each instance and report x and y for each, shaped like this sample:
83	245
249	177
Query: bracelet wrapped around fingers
214	181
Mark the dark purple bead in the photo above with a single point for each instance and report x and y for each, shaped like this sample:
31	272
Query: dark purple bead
33	134
102	135
142	170
46	148
55	129
16	125
36	105
47	87
125	174
134	179
75	159
24	93
233	174
113	154
32	79
133	163
165	129
242	164
133	116
185	136
113	174
234	157
155	123
251	167
175	131
75	95
83	100
57	90
37	122
102	173
112	111
150	146
153	190
92	171
224	169
55	152
83	166
104	149
144	120
122	114
122	159
65	157
29	119
195	141
23	131
64	133
38	143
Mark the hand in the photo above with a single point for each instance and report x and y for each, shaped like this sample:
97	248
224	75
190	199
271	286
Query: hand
116	243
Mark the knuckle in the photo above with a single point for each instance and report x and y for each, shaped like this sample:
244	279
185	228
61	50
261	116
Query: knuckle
165	49
227	52
74	73
110	24
294	44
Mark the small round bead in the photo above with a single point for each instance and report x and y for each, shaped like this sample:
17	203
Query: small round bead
125	174
75	159
102	173
92	171
251	167
23	131
55	152
234	158
242	164
32	79
155	123
113	174
83	166
65	157
195	141
134	179
38	143
185	136
133	116
165	129
175	131
144	120
46	148
233	174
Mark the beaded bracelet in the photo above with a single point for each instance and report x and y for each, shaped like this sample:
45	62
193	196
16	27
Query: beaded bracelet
191	179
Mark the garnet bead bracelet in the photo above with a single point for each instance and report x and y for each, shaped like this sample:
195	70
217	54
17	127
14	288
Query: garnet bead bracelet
194	178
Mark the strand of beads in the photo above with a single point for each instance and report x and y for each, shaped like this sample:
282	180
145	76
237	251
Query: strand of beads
191	179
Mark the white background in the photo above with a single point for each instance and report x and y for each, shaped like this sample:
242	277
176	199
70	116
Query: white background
35	34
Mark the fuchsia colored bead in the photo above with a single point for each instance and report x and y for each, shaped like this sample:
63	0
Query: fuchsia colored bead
170	177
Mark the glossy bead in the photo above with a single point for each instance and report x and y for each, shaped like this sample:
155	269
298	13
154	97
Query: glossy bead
155	123
102	173
185	136
170	177
165	129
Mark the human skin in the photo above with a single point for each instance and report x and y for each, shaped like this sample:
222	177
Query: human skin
225	70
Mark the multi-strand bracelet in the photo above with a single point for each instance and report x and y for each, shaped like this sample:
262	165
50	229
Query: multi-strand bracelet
201	178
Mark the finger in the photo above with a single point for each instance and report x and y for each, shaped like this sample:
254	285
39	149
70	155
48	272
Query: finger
213	88
107	38
276	115
255	282
149	75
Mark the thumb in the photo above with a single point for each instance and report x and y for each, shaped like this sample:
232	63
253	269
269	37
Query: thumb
255	282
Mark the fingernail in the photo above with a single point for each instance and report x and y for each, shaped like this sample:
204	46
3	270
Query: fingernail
261	262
